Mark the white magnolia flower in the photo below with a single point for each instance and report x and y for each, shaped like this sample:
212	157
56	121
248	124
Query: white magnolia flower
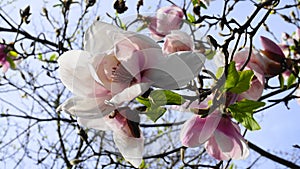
116	66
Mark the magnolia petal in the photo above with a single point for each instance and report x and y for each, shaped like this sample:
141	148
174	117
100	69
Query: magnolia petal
131	50
244	150
227	142
213	149
86	107
254	92
224	142
95	123
5	66
197	130
129	93
75	73
177	41
98	37
271	47
167	74
131	148
189	134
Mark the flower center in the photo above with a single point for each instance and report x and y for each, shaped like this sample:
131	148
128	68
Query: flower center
121	75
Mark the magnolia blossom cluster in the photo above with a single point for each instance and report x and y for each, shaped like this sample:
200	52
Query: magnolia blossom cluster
116	66
219	134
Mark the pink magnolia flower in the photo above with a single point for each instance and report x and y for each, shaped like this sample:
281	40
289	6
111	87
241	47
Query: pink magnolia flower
272	57
177	41
115	67
124	64
221	136
3	61
166	19
129	142
257	84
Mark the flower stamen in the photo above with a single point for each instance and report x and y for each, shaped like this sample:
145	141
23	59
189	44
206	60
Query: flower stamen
121	75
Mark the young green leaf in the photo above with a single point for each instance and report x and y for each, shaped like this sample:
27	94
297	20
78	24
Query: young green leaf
158	98
155	113
243	110
165	97
40	57
238	82
191	18
210	54
281	81
11	62
202	5
53	57
244	82
219	72
291	80
144	101
13	53
232	78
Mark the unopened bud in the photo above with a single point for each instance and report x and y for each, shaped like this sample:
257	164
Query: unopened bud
45	12
25	14
120	6
75	161
90	2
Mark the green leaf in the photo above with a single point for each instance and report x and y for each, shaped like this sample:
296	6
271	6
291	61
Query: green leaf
231	166
247	120
237	82
144	101
165	97
210	54
202	5
13	53
143	164
281	81
158	98
53	57
247	105
219	72
243	84
291	80
155	113
195	2
40	57
11	62
191	18
243	110
232	78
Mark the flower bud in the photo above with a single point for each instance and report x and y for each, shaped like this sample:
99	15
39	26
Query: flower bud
177	41
166	20
273	57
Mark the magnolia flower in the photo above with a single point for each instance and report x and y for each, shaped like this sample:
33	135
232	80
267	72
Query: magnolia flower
129	142
166	19
178	41
221	136
258	81
3	61
123	65
272	59
115	67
